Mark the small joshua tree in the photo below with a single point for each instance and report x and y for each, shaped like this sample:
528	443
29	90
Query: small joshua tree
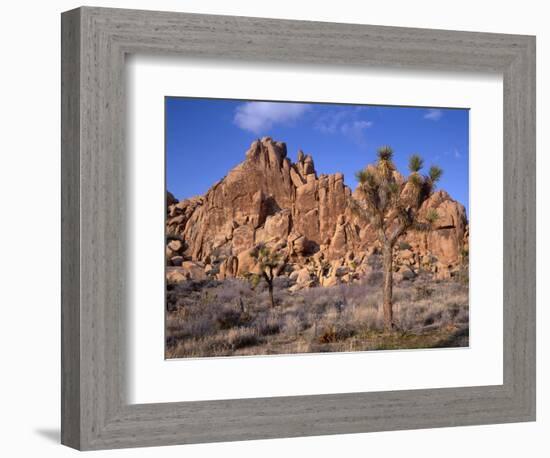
391	204
269	262
319	268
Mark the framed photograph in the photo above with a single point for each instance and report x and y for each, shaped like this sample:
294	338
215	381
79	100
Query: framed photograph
271	256
280	228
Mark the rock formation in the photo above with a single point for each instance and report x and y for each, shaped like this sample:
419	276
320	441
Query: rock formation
269	199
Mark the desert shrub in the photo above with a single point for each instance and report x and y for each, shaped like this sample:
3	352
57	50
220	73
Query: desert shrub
189	286
375	278
362	317
353	293
269	326
328	335
211	283
432	317
282	282
305	319
401	294
335	333
462	275
413	317
423	292
213	346
200	346
451	312
196	327
183	302
375	261
229	290
463	316
209	320
293	325
406	318
404	246
171	341
229	318
242	337
171	301
317	299
207	297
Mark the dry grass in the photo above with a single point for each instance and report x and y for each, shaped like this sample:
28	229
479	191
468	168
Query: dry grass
228	318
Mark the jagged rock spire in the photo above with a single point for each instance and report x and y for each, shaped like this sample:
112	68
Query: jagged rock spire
267	198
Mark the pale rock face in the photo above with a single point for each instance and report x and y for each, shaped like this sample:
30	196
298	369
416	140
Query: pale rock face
296	178
185	271
175	245
229	268
268	199
243	238
442	272
407	254
303	276
338	243
277	226
174	276
331	280
298	245
246	263
447	239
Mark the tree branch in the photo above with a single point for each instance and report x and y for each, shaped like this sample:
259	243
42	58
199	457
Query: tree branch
399	230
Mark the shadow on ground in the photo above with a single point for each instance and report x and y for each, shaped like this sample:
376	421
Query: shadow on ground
53	435
458	338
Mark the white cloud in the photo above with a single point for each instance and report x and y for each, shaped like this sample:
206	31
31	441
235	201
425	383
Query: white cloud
355	130
258	117
433	114
345	122
454	153
331	122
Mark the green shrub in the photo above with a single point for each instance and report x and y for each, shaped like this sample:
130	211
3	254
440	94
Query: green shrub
404	246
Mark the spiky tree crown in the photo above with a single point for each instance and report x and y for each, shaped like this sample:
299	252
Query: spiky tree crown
435	173
265	257
390	202
415	163
385	164
385	153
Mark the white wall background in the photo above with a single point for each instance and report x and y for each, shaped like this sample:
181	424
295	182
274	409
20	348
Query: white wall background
30	246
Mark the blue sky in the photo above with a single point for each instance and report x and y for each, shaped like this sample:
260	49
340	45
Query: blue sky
205	138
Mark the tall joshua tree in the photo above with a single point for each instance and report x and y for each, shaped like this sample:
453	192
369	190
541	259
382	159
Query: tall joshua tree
391	203
269	262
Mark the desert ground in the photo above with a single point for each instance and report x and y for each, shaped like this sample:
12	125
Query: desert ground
229	318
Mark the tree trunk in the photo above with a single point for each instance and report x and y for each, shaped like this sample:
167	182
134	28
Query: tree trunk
388	287
270	288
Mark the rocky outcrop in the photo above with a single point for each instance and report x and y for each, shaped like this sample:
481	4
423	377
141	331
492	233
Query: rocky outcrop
269	199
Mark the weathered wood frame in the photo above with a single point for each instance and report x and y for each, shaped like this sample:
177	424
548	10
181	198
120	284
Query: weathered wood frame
95	413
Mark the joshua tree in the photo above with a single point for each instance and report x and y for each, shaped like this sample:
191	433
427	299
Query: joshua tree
391	203
269	262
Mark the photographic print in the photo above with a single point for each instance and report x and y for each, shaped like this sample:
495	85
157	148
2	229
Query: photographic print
298	227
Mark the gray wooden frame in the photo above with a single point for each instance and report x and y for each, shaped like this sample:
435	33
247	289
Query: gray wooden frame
95	413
